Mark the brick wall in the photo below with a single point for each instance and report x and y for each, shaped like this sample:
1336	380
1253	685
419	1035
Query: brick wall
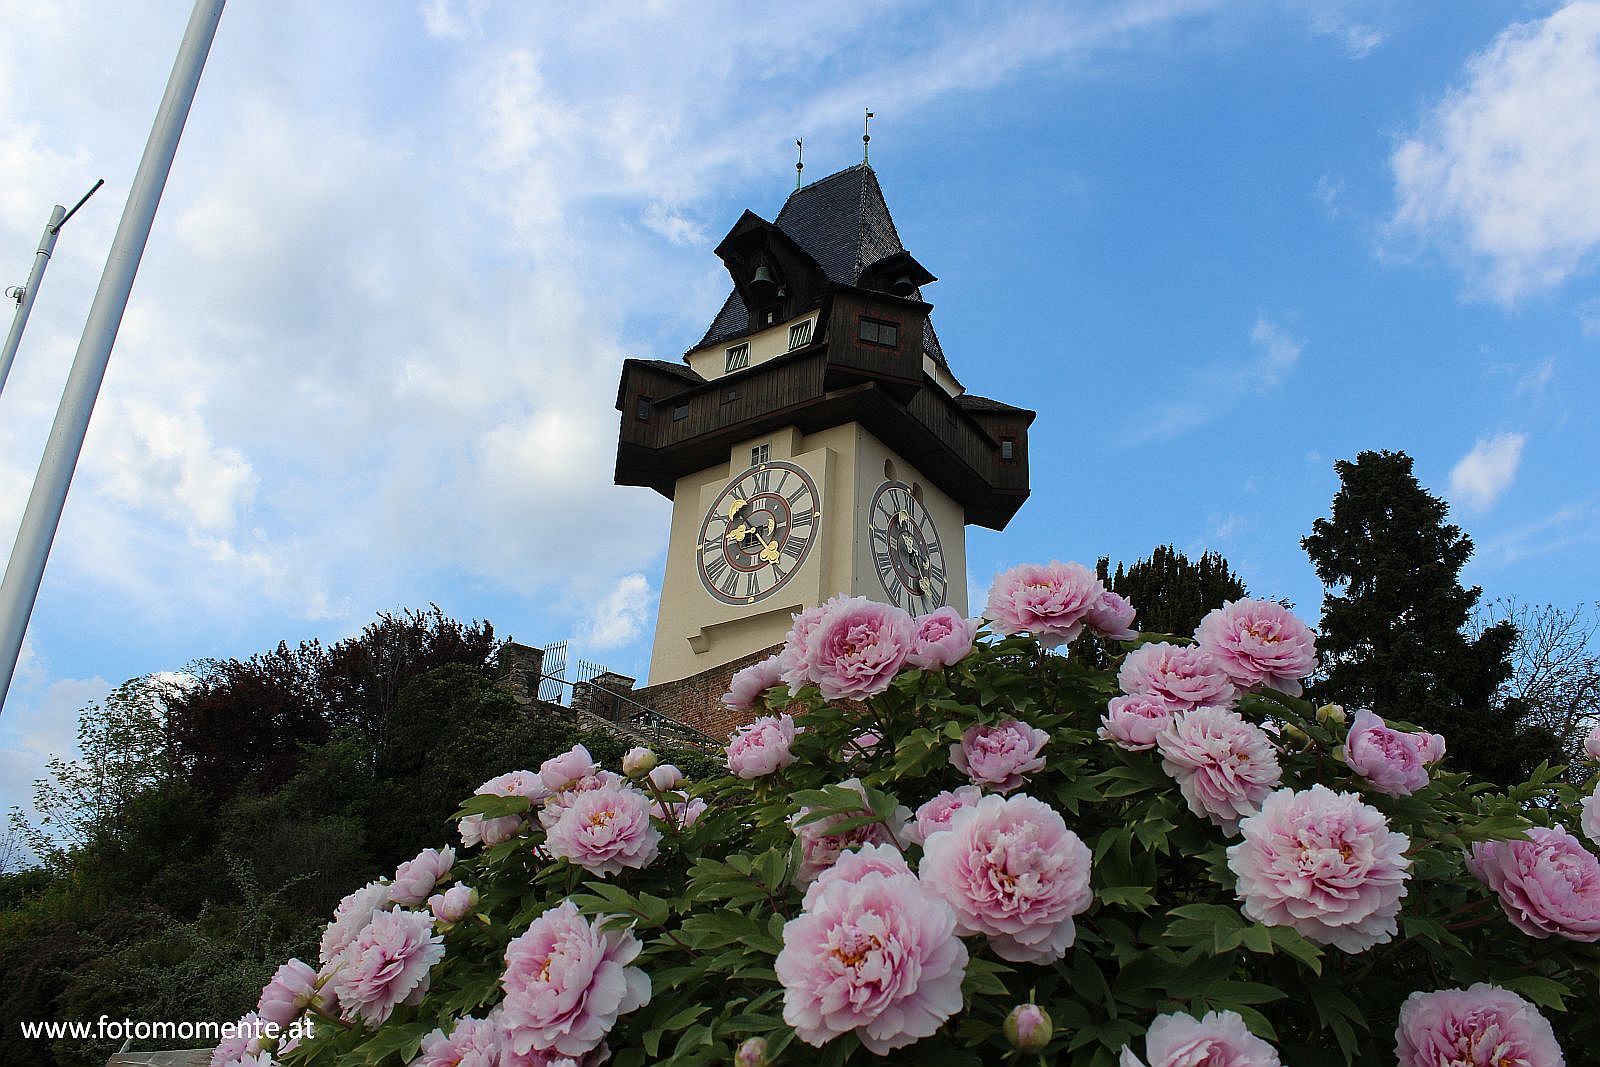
697	699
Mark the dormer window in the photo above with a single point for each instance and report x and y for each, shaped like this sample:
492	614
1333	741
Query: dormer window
1008	450
878	332
738	358
800	335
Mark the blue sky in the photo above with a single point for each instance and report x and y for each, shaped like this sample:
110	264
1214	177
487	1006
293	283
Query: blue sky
371	356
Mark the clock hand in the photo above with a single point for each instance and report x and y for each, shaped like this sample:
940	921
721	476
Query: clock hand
769	549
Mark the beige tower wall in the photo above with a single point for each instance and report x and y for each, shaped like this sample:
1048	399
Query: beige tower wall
696	632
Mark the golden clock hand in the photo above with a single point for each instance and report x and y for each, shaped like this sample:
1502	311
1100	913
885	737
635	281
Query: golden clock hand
769	549
737	533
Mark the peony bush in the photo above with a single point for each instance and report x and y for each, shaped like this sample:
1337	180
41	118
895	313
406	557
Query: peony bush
947	841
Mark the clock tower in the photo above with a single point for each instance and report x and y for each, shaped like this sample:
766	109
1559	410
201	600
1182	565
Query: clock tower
816	440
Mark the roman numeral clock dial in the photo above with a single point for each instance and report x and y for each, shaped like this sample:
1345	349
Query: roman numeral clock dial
758	532
906	550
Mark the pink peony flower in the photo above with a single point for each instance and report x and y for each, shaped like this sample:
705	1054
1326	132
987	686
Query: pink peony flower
999	756
1325	864
350	917
1224	766
514	784
1051	601
874	953
861	746
857	864
935	815
241	1042
683	813
1181	676
1258	642
476	830
415	878
1013	872
1481	1025
1392	762
794	659
388	962
605	830
1112	617
558	803
749	686
564	771
1547	881
858	647
820	846
638	762
1589	821
666	777
1220	1039
943	637
543	1058
473	1043
454	904
287	993
1133	722
567	981
762	747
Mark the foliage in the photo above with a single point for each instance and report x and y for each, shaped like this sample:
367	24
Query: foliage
1395	617
1173	592
1164	933
233	722
179	875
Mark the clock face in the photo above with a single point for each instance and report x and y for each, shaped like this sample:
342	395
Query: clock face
906	549
758	532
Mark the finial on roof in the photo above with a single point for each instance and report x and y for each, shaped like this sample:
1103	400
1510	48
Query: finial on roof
866	137
800	163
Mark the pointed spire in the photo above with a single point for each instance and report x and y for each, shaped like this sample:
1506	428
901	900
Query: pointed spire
800	163
866	138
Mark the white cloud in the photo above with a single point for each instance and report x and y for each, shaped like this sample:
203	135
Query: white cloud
1502	174
1213	390
620	616
1279	353
452	20
1357	37
1535	379
1483	475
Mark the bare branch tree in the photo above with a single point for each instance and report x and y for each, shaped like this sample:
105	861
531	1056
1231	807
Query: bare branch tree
1555	665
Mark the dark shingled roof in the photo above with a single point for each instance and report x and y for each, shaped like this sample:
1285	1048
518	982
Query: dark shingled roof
842	222
676	369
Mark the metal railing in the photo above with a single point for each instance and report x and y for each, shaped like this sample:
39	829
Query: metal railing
620	710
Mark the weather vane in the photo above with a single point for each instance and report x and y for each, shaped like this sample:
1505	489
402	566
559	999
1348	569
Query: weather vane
799	163
866	137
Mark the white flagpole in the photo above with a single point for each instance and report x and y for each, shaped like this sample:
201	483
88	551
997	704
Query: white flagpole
25	569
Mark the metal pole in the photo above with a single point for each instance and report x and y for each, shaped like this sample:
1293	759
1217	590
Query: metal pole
41	259
25	569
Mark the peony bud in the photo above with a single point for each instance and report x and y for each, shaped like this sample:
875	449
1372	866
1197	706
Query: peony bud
1028	1028
752	1053
638	762
454	903
1329	714
1293	733
666	777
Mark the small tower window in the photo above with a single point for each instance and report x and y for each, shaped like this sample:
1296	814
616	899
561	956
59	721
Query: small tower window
644	409
760	454
738	358
799	335
680	413
878	332
730	395
1008	450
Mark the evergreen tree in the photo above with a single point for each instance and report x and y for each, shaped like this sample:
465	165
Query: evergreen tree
1172	592
1395	617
